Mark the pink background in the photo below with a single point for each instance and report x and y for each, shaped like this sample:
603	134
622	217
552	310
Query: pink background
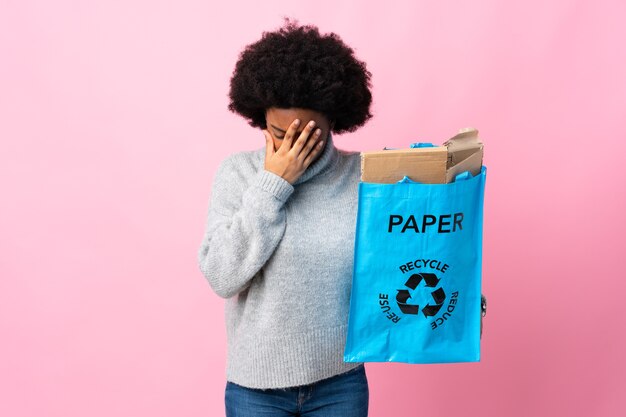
112	121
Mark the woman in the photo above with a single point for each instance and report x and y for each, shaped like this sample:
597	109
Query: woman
279	238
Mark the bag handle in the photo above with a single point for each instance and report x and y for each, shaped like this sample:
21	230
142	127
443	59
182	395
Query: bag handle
465	175
407	180
415	145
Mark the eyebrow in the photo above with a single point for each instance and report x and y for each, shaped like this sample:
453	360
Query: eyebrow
278	128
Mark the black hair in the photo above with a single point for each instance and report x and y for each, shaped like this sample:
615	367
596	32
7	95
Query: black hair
295	66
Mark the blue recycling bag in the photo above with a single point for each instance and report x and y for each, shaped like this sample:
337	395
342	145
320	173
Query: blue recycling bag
416	284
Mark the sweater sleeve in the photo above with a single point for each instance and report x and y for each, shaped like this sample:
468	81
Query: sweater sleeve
243	227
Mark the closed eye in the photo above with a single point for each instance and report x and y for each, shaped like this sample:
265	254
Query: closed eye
282	137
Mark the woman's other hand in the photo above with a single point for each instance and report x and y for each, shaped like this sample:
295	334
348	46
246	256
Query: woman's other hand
292	158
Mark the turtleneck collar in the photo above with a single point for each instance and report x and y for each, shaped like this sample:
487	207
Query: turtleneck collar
324	161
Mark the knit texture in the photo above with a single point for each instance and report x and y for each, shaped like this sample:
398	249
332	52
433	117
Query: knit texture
282	257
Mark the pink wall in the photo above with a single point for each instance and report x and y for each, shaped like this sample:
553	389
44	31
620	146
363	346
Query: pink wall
113	118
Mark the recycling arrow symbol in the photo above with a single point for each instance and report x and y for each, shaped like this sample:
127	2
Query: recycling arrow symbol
438	295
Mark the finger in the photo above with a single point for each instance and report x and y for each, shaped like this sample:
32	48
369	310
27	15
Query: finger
310	145
316	150
303	139
289	134
269	145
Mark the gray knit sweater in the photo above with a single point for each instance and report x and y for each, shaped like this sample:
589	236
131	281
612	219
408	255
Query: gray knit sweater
282	256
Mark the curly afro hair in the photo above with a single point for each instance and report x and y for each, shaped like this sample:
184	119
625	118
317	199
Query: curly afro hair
297	67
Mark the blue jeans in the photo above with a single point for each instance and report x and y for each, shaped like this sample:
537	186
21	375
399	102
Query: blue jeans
344	395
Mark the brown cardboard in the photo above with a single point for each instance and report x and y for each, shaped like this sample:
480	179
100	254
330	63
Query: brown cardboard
429	165
465	153
426	165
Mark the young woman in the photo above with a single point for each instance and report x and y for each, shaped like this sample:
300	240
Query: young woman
279	237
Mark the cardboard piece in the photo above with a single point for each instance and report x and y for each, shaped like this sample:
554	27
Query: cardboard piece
428	165
465	153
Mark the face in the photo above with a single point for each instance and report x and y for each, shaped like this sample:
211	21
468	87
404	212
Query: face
278	121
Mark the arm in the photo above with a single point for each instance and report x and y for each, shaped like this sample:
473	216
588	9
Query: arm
243	227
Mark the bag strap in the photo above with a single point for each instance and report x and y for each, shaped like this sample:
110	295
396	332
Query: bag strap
407	180
465	175
414	145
